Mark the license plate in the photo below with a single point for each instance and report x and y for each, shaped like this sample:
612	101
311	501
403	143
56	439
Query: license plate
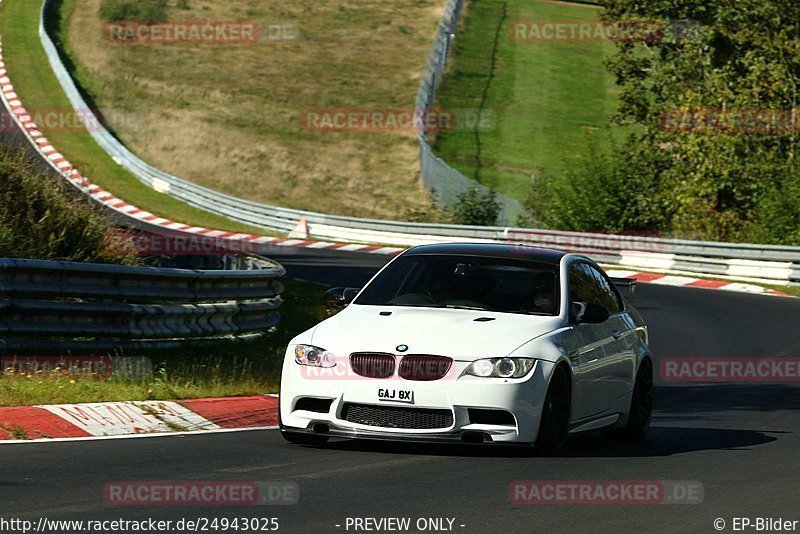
396	395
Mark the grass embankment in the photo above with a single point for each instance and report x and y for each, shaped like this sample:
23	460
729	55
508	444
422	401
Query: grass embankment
44	219
230	117
551	97
232	370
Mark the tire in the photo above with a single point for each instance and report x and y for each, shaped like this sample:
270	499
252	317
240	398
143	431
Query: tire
554	424
299	438
641	403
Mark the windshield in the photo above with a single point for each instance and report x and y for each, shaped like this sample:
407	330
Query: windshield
466	282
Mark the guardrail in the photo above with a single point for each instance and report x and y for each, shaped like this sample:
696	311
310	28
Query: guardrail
43	302
750	262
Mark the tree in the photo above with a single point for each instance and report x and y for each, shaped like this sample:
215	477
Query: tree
716	95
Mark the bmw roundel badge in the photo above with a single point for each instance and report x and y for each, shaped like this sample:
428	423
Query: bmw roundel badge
402	348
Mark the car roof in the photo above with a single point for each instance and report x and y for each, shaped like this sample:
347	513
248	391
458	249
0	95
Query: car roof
491	250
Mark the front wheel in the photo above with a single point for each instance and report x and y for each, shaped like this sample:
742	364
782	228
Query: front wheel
554	425
641	403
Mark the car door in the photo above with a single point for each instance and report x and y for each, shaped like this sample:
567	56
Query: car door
597	347
620	355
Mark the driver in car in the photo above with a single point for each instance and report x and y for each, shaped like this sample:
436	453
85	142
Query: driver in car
544	293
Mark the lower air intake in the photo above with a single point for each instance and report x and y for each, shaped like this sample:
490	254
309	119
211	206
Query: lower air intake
397	417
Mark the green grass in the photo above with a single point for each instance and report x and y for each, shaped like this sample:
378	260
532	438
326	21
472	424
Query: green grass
550	98
39	89
228	370
790	290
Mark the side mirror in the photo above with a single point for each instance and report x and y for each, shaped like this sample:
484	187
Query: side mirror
339	297
590	313
629	283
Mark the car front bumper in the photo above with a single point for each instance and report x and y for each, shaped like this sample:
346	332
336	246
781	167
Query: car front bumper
522	398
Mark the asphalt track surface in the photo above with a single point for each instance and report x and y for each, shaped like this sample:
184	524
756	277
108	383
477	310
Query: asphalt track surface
740	440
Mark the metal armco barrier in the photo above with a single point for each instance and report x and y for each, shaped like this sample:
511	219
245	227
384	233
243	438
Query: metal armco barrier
751	262
49	299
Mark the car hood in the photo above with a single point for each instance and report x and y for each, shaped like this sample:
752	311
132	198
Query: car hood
445	332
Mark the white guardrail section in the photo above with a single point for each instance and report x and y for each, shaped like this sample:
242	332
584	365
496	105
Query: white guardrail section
749	262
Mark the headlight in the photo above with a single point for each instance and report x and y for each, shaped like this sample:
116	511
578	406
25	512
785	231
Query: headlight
501	367
314	356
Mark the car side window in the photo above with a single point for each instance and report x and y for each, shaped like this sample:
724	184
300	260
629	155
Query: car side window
586	284
582	285
611	298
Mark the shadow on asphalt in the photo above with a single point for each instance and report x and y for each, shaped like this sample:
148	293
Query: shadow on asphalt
661	441
666	441
680	402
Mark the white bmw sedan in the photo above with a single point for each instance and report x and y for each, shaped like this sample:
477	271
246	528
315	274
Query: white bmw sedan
476	343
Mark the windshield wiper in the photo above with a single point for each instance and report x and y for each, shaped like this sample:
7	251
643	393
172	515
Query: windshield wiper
463	307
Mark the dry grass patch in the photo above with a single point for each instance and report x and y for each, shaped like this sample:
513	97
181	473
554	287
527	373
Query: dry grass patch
229	117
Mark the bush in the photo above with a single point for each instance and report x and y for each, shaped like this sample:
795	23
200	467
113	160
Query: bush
141	10
618	191
41	219
699	189
476	208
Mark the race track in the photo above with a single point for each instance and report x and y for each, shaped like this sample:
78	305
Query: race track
740	441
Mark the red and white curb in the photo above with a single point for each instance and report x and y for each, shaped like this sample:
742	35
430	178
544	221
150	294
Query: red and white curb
84	184
686	281
136	418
